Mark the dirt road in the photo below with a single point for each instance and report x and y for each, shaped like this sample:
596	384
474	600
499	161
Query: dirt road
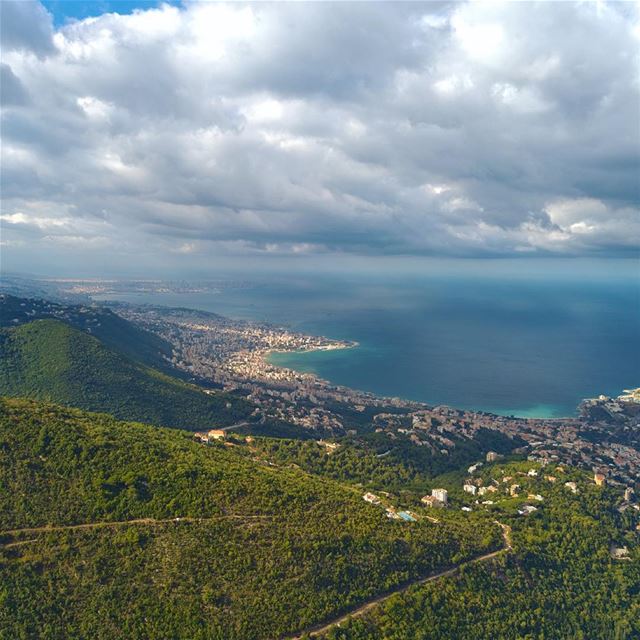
324	627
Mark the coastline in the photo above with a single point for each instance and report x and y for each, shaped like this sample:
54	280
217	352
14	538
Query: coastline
425	348
536	412
232	355
271	358
332	347
266	355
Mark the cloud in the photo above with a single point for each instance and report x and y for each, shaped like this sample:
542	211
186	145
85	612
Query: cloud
26	27
378	129
13	93
41	223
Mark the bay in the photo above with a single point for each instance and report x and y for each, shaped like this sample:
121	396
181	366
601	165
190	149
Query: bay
528	347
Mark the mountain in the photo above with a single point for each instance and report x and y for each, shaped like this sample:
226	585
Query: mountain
123	530
115	332
573	570
51	360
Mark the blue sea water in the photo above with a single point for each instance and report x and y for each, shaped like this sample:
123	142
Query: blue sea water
525	346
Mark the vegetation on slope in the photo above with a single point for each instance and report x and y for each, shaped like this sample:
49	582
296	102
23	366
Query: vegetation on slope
49	360
374	461
559	582
115	332
314	550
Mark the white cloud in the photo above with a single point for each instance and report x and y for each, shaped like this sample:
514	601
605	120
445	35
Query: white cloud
94	108
466	129
566	212
478	39
523	100
267	110
40	222
453	84
185	247
588	220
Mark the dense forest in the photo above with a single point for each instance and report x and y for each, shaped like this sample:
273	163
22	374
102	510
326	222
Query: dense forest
124	530
559	581
371	460
112	330
50	360
203	542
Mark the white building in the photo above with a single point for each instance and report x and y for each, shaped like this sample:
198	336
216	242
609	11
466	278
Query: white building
470	488
527	509
441	495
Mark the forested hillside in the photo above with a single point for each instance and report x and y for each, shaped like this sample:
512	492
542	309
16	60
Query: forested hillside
123	530
372	460
559	582
50	360
112	330
203	543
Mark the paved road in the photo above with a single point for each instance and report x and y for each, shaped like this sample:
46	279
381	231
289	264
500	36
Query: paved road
324	627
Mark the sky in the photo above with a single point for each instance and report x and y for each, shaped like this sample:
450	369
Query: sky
179	136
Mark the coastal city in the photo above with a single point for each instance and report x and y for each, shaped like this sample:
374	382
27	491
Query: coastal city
233	355
604	436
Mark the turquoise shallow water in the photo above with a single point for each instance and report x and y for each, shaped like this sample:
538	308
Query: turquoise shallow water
522	347
335	365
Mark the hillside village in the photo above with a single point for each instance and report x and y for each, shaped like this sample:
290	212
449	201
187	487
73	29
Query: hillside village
493	485
513	490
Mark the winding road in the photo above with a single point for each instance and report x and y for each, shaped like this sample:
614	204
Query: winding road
324	627
315	631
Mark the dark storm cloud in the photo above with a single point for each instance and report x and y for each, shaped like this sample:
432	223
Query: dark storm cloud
457	129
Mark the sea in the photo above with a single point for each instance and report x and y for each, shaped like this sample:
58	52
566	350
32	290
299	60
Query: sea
525	346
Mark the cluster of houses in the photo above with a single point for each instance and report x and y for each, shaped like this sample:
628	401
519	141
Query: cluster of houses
210	436
474	486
